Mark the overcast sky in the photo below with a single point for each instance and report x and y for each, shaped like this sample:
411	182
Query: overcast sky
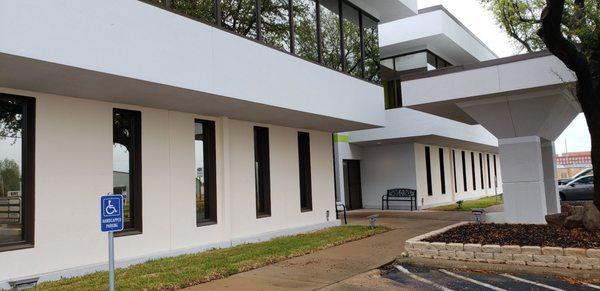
482	23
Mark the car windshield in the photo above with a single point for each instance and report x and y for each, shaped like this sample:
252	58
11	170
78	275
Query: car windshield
583	181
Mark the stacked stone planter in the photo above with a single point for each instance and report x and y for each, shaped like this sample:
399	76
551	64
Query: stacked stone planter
552	257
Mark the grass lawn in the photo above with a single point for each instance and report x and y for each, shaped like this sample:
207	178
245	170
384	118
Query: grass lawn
187	270
470	204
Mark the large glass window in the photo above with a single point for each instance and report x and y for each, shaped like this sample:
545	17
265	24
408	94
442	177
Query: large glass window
17	121
240	16
352	42
305	29
201	9
127	166
275	23
371	41
206	173
262	171
330	34
305	171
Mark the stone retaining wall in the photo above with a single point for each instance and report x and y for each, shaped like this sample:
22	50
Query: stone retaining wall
554	257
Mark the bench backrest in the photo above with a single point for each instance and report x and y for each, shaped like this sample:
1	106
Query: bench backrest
401	192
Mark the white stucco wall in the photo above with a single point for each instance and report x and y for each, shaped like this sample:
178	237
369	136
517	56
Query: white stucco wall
74	167
403	165
387	167
132	39
426	201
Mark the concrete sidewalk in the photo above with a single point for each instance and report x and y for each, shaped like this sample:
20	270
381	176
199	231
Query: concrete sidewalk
327	267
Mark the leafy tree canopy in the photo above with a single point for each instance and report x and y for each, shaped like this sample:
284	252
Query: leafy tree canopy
521	19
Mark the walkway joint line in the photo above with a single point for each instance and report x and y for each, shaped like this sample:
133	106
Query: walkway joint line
532	282
472	280
421	279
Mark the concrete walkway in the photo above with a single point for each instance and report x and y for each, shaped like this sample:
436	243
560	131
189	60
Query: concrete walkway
325	268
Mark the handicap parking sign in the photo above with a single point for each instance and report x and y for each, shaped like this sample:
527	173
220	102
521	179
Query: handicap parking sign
111	213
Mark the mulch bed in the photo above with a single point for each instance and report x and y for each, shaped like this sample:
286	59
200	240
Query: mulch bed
519	234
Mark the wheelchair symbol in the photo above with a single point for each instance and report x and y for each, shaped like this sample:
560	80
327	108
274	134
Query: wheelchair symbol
110	209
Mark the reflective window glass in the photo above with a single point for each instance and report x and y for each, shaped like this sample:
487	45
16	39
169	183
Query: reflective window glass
305	28
275	23
330	34
239	16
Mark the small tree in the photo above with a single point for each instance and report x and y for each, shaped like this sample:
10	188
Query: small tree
569	30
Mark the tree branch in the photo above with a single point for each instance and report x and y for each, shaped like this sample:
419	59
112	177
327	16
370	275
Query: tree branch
552	36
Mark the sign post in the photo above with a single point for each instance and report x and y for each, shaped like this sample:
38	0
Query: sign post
111	220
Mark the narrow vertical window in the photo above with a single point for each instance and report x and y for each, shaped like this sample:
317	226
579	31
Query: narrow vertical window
464	170
17	170
204	10
454	170
275	23
495	173
489	172
352	40
481	173
330	34
306	44
240	16
305	171
371	44
442	170
474	180
428	169
127	166
206	172
262	171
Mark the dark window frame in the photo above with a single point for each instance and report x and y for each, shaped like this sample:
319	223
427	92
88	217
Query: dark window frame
473	171
481	173
135	172
442	170
210	171
262	171
27	173
218	24
464	171
489	171
428	170
454	171
305	172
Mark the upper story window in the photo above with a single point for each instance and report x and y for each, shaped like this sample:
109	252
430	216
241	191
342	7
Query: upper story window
333	33
392	68
17	135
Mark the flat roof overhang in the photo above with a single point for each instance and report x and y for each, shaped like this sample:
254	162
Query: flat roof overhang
40	76
439	31
388	10
441	91
431	139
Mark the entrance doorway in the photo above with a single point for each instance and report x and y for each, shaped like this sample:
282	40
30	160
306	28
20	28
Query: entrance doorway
352	186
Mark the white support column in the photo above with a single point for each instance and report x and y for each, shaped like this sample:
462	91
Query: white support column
523	179
550	183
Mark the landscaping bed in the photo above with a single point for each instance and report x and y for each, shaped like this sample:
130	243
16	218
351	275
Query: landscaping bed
512	244
519	234
188	270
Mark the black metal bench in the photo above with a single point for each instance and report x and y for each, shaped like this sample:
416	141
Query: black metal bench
399	194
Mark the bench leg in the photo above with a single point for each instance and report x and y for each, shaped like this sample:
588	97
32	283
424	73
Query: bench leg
382	199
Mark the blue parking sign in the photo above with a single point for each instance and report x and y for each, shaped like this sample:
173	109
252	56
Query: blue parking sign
111	213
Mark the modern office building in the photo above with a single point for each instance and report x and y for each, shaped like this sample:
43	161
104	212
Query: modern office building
213	118
444	160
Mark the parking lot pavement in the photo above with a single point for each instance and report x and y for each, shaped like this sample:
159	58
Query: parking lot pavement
426	278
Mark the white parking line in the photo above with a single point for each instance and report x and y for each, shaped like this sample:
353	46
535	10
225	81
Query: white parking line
472	280
592	286
531	282
421	279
